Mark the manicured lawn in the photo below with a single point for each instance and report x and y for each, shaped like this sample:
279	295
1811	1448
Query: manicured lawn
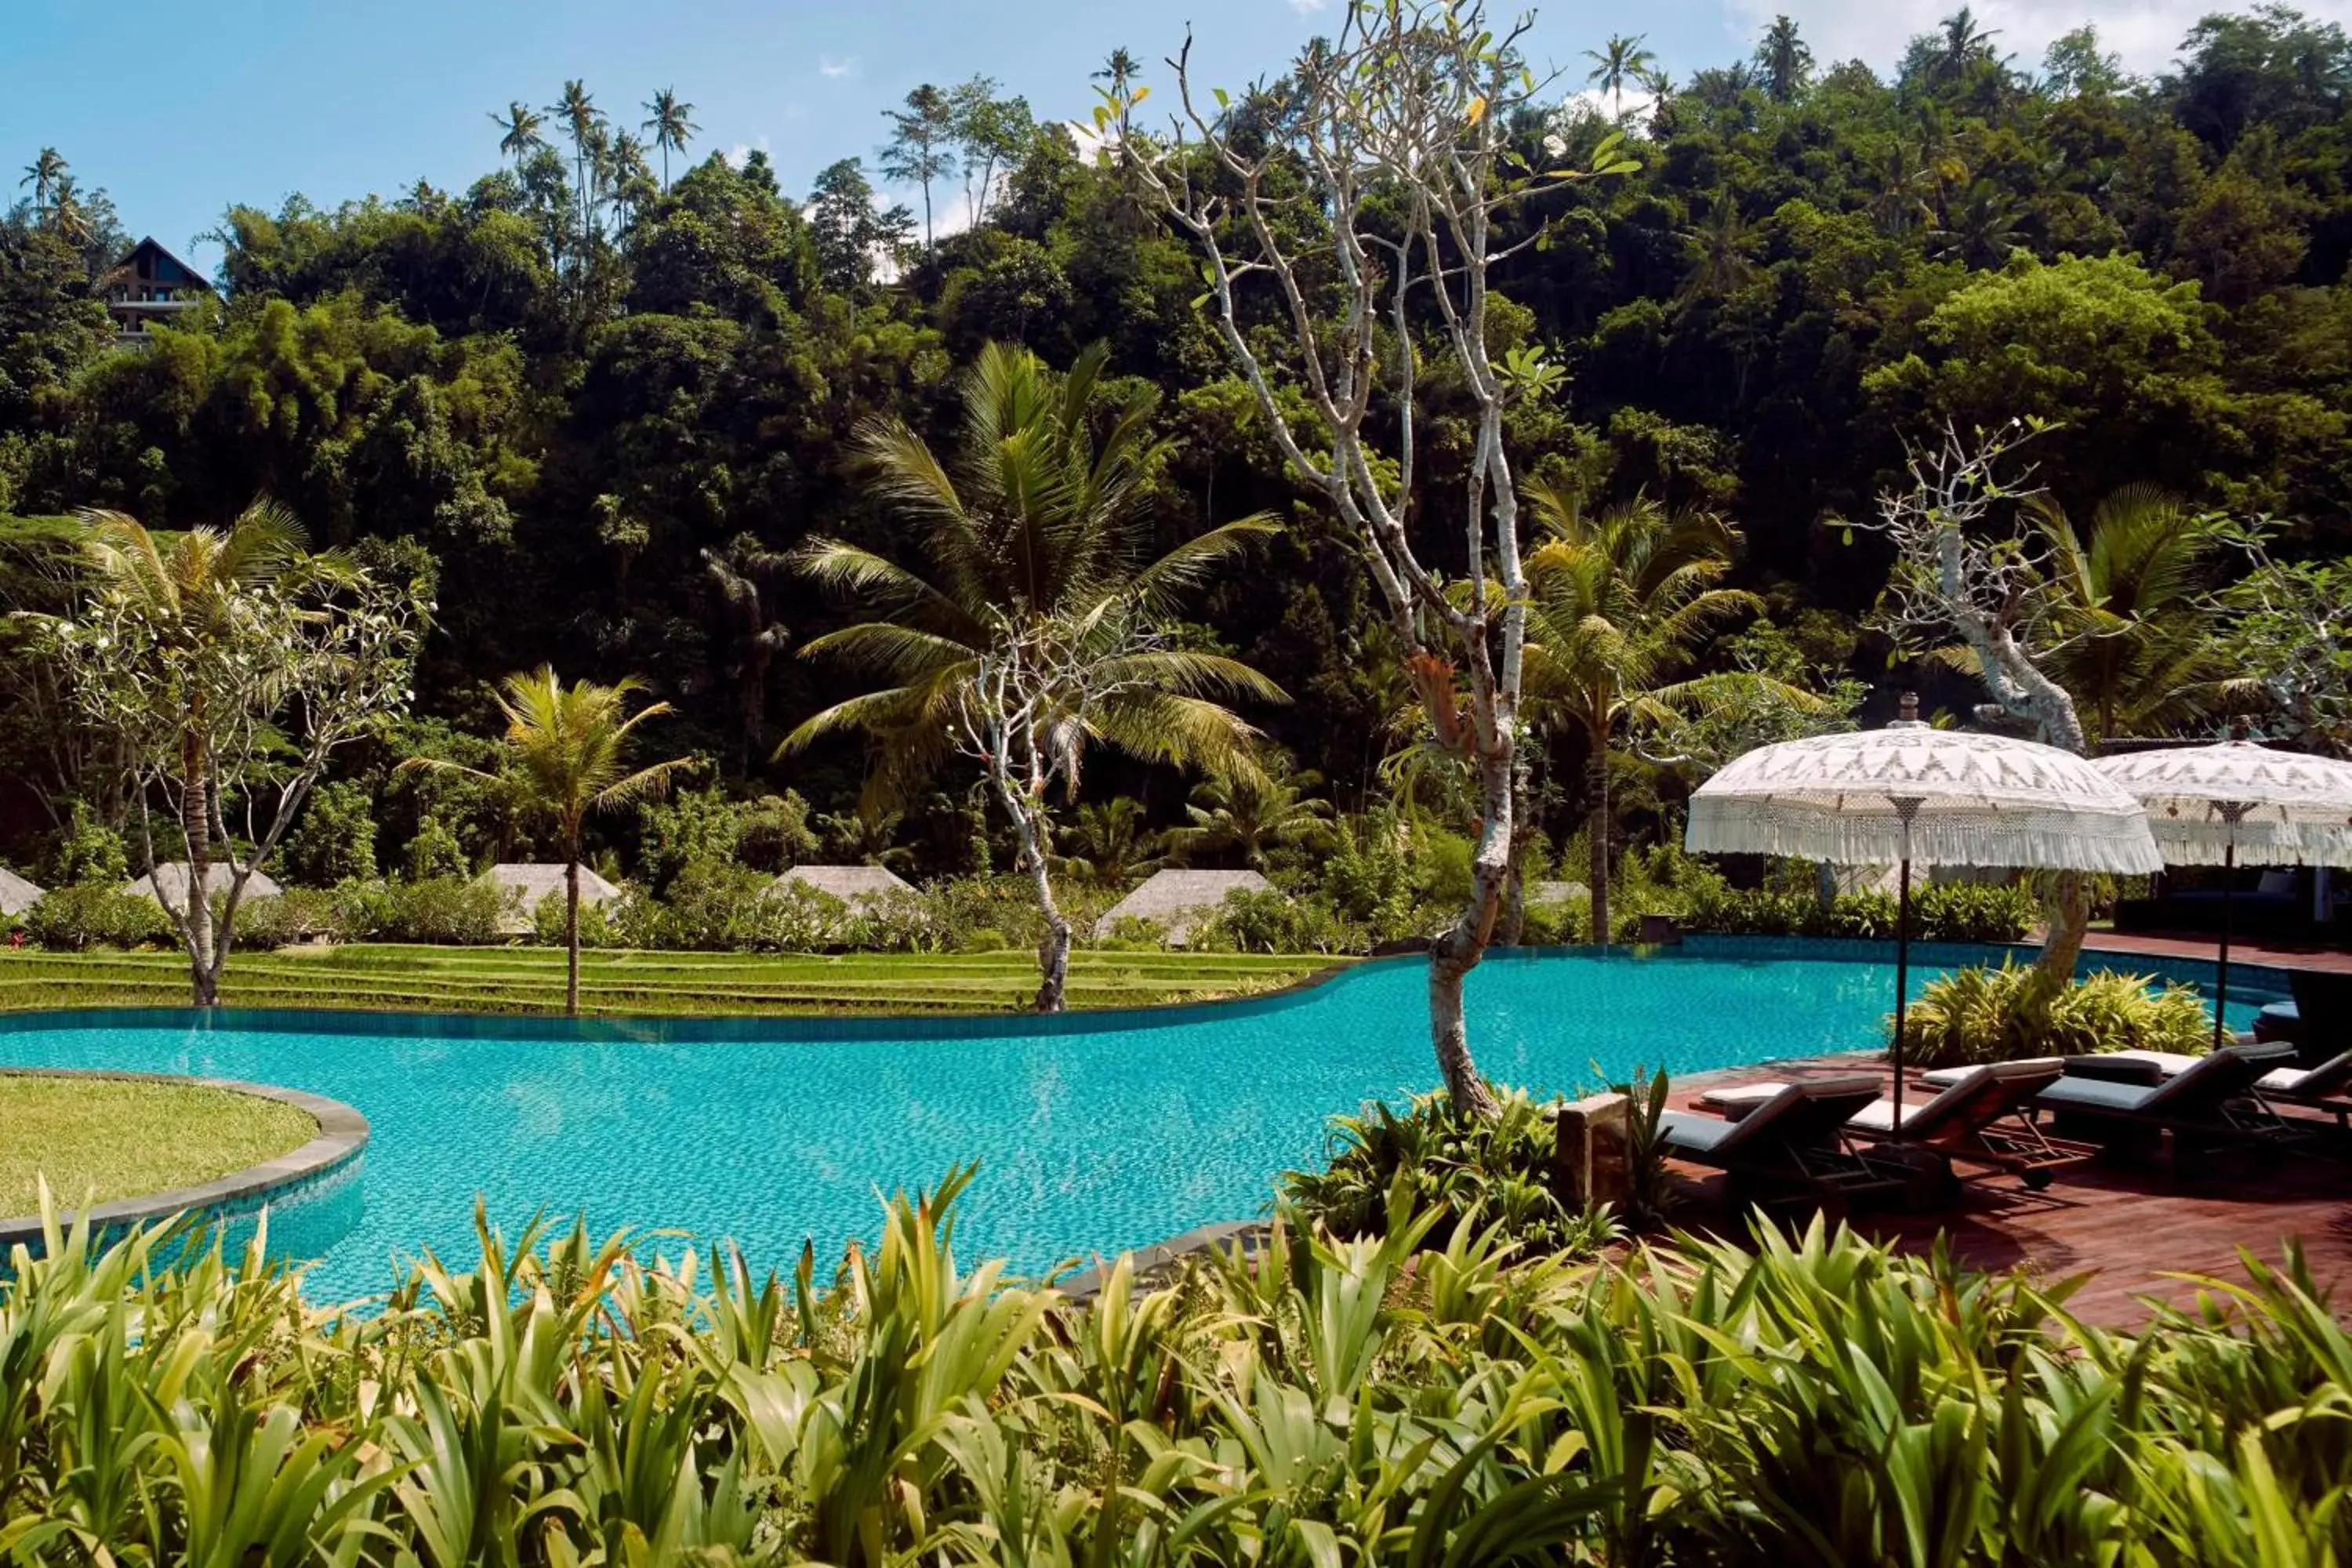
100	1138
528	980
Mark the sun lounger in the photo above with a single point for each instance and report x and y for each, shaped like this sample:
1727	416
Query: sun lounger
2327	1086
1797	1137
2136	1067
1979	1115
2215	1098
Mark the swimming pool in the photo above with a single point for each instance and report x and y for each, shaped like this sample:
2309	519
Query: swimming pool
1095	1134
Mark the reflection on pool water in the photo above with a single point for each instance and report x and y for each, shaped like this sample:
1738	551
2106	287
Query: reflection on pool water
1094	1135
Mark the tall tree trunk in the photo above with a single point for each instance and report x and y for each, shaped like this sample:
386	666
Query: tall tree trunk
1596	828
196	826
1455	954
571	923
2062	943
1054	952
1511	925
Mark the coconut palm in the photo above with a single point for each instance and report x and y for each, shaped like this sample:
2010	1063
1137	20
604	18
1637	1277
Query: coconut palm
1619	601
568	746
1784	58
1035	537
1620	60
42	175
672	124
1110	843
585	124
1250	812
2137	646
520	126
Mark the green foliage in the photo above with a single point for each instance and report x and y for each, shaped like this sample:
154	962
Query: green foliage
85	851
296	915
435	851
464	911
96	914
1979	1015
1450	1176
334	840
1376	1399
1940	911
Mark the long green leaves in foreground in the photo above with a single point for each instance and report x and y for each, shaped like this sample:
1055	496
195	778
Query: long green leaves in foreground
1811	1401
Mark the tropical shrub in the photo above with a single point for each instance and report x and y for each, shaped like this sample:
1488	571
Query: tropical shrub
464	911
1940	911
1981	1015
550	923
71	919
85	851
298	915
1445	1170
333	840
1320	1398
1250	920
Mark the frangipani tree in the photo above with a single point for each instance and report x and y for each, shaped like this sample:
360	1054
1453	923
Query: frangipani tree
1348	225
232	664
1038	628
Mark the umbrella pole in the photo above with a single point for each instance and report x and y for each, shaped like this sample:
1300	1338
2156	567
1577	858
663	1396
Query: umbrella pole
2229	891
1902	978
1903	809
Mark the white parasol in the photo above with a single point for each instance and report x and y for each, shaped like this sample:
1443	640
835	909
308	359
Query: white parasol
2219	805
1951	797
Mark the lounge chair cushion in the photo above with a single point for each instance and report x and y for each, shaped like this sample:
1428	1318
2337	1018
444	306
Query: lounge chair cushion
1687	1134
1944	1077
1736	1100
2329	1077
2097	1094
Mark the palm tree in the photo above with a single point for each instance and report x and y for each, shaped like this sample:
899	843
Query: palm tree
1618	602
672	124
1719	248
2137	648
1036	534
568	746
584	125
1110	843
521	131
1620	60
1250	811
42	175
1785	59
1119	68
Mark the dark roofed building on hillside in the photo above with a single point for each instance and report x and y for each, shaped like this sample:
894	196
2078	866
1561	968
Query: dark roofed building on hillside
150	286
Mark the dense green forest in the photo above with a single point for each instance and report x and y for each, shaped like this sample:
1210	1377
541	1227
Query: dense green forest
612	385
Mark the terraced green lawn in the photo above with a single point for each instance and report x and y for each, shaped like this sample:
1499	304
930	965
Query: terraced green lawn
531	980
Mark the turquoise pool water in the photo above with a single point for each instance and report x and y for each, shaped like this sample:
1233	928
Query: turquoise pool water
1093	1135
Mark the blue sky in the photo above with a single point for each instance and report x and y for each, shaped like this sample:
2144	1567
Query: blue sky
180	110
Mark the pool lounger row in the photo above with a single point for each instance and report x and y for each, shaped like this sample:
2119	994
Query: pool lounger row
1987	1115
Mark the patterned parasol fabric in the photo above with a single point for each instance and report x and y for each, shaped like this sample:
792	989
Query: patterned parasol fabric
2290	808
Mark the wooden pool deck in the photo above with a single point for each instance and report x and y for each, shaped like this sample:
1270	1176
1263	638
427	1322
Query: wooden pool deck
2127	1225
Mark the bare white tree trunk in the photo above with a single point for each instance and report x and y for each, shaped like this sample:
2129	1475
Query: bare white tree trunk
1375	184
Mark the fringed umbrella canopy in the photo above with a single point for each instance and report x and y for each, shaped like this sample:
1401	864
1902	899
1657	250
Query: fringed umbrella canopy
2271	808
1970	800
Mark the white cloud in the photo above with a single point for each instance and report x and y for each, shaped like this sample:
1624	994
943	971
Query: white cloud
827	66
1310	8
2146	33
737	154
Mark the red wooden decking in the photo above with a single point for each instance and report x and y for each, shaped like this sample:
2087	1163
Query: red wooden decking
2127	1225
2278	955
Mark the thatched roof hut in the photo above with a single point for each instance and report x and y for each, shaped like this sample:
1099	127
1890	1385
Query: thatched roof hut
526	883
855	886
17	895
1179	900
173	875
